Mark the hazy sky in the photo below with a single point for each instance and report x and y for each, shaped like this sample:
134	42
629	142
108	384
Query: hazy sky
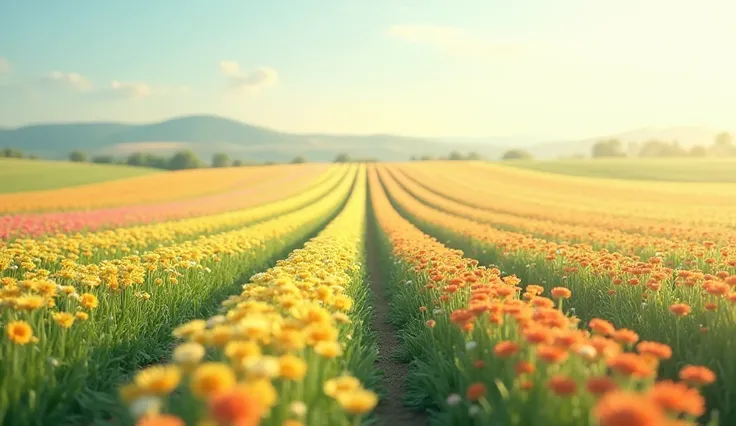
551	68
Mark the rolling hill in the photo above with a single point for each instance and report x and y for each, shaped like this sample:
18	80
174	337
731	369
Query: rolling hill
205	135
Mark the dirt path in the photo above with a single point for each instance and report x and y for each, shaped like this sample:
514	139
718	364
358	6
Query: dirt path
391	410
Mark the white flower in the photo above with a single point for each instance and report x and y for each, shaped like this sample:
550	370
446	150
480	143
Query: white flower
53	362
189	353
474	410
298	408
409	282
437	311
587	351
75	296
454	399
208	270
266	367
145	405
471	345
643	304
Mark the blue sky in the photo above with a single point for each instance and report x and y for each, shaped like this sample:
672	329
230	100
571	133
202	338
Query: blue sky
546	68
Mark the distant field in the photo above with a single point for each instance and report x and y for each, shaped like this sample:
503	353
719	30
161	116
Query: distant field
677	170
32	175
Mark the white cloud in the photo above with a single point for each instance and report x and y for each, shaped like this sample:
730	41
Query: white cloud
4	65
67	80
253	82
451	40
129	90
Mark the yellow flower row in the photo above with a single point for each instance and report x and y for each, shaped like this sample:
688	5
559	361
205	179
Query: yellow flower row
276	348
633	244
88	319
49	253
152	188
692	210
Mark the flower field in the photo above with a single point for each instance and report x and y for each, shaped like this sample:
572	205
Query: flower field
400	294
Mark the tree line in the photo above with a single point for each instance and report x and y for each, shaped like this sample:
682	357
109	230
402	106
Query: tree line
180	160
723	146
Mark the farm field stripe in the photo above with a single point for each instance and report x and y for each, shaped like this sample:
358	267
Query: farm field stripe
483	355
392	409
693	312
292	349
170	186
52	253
268	190
672	250
71	344
481	194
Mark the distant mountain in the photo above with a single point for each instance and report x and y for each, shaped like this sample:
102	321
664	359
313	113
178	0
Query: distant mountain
205	135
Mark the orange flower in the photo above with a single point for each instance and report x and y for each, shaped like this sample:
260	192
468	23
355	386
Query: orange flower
561	293
654	349
697	375
562	385
526	385
677	398
523	367
505	349
680	309
601	326
479	363
431	323
625	336
236	406
160	420
551	354
627	409
476	391
600	385
630	364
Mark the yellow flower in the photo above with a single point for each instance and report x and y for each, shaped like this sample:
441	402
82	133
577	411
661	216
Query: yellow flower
342	302
292	422
328	349
341	384
29	302
186	330
188	354
266	367
292	367
89	300
238	350
64	319
82	316
129	393
359	401
19	332
212	378
262	390
158	380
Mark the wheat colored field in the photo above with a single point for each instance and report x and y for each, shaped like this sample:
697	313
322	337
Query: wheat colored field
422	293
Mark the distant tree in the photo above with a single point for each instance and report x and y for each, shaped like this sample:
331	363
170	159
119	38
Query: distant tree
724	145
608	148
413	158
78	157
33	157
269	163
220	159
517	154
299	160
238	163
185	159
724	139
342	158
137	159
698	151
103	159
455	156
655	148
426	158
12	153
474	156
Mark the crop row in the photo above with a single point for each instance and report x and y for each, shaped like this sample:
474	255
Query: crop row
486	351
290	349
691	311
71	336
259	189
51	253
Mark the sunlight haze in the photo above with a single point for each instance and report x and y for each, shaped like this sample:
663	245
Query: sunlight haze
471	68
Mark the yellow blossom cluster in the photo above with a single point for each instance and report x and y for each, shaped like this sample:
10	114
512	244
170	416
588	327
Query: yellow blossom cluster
275	355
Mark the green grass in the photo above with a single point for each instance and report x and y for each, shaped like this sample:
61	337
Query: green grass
673	169
18	175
